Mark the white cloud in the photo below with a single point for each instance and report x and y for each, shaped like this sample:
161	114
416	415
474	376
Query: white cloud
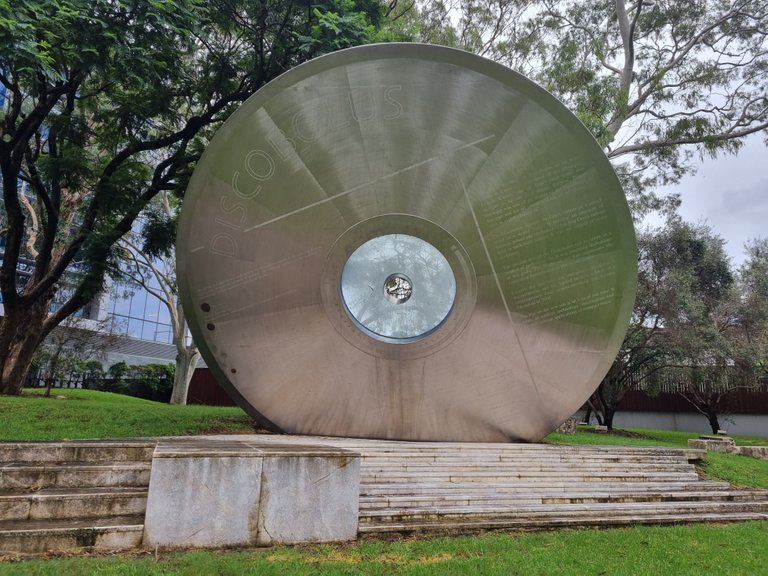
730	193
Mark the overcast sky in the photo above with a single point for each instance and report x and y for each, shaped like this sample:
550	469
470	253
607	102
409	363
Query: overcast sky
730	193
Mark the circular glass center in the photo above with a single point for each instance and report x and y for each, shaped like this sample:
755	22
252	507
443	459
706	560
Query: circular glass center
397	288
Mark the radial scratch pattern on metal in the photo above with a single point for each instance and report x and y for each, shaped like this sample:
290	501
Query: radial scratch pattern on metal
407	242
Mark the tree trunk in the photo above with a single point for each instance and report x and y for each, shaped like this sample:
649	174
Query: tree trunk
596	404
713	421
186	360
24	335
608	417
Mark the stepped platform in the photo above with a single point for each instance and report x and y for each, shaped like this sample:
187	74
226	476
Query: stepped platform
93	495
435	487
80	495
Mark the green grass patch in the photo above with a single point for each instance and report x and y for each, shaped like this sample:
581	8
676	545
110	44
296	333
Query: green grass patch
72	414
734	549
640	437
740	471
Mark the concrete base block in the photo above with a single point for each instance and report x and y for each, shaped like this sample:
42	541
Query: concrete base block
208	493
310	499
210	501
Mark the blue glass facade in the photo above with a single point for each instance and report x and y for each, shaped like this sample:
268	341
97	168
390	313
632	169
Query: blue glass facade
139	314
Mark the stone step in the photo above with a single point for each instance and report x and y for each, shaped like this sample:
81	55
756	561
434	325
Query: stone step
70	503
608	510
383	446
39	536
526	450
542	451
407	464
401	477
492	459
30	477
760	496
523	499
480	525
76	451
530	487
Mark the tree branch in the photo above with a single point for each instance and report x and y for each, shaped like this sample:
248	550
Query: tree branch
649	145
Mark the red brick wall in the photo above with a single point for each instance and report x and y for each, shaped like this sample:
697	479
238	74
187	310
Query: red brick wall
737	402
204	389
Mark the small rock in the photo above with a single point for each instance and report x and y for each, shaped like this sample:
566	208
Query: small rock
567	427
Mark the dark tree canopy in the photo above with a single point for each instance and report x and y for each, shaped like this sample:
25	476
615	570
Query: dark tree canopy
109	102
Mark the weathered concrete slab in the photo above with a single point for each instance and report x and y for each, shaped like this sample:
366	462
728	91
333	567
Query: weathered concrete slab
309	499
753	451
212	493
203	501
713	443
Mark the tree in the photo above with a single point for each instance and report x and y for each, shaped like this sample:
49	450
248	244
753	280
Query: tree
111	102
71	351
656	82
698	329
753	306
155	272
710	340
726	349
684	283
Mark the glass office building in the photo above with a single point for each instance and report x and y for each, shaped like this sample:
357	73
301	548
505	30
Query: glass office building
138	314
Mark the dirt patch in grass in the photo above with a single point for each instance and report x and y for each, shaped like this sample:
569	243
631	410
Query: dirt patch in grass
52	396
239	425
620	433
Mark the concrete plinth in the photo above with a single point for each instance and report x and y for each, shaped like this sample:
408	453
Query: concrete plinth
308	499
207	493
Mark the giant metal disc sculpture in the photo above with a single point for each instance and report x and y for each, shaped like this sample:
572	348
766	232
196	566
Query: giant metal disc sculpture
406	242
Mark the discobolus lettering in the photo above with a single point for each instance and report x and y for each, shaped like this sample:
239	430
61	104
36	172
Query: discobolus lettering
320	117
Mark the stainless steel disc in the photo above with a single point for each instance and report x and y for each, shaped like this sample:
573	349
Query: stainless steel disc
408	242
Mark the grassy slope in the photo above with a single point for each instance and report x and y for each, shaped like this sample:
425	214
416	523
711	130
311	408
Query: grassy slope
736	549
89	414
642	437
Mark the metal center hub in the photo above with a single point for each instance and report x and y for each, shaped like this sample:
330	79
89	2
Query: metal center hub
398	288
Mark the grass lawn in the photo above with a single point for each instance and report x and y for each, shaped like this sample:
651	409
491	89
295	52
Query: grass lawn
641	437
72	414
722	550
